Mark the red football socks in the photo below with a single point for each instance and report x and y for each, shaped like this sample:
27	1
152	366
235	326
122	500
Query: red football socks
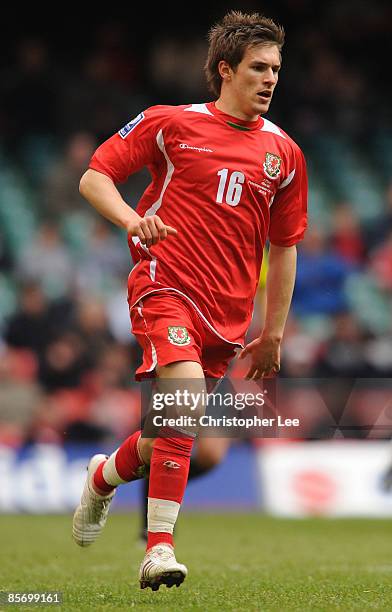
120	467
169	469
100	484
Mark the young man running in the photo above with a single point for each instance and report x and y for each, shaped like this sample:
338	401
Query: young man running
224	180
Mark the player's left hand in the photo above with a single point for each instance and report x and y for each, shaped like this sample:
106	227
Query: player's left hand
265	355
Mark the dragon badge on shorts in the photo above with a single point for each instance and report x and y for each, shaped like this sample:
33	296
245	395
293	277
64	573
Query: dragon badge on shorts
272	165
178	335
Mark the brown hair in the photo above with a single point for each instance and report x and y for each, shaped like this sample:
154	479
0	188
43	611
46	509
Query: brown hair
229	39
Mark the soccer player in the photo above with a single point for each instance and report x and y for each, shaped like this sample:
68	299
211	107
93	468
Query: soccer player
224	180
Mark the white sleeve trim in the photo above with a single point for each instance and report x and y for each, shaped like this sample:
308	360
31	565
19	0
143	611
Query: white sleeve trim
155	207
268	126
198	108
287	180
169	173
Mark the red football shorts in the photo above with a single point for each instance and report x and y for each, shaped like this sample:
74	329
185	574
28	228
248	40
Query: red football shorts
169	329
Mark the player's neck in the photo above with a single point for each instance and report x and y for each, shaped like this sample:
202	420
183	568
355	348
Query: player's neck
229	107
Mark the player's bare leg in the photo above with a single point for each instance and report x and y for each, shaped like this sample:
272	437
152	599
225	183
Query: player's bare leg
169	466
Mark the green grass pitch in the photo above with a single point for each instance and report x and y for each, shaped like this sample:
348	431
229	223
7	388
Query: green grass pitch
236	562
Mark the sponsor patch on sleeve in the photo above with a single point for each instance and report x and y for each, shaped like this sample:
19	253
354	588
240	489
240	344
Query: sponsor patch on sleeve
127	129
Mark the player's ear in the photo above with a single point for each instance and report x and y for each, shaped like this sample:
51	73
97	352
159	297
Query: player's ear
225	70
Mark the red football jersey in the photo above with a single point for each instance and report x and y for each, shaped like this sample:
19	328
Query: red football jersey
226	185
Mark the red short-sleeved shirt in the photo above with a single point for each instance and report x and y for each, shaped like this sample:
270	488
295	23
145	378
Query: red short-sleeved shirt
227	186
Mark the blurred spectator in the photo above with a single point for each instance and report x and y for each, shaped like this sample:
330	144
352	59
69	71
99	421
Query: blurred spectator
60	191
378	230
18	398
346	239
64	416
46	259
343	353
114	407
30	326
378	353
321	275
118	317
91	327
300	351
116	411
100	407
381	263
106	262
112	370
63	362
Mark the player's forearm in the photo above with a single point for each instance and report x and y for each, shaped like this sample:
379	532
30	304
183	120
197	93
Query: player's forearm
280	286
100	191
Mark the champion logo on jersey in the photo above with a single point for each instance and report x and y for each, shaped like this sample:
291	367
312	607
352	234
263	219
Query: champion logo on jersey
184	145
272	165
127	129
178	335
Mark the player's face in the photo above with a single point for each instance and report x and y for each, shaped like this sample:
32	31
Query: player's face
251	85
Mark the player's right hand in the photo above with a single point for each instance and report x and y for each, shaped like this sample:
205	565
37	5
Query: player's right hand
150	230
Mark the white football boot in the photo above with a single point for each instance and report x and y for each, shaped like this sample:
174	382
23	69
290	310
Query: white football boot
159	566
91	514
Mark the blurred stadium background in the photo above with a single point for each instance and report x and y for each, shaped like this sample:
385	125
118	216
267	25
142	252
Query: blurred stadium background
66	354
